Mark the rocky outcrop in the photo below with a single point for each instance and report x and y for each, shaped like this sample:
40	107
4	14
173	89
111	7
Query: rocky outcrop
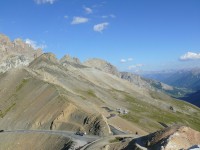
15	53
103	66
136	79
97	125
67	58
170	138
73	118
145	83
67	61
152	85
14	62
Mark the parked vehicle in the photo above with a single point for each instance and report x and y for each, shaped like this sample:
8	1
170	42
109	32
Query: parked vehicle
1	130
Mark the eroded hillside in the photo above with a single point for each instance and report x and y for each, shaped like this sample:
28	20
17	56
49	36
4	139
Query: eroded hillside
66	95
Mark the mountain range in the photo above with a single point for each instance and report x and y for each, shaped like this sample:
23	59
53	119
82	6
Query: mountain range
40	92
184	79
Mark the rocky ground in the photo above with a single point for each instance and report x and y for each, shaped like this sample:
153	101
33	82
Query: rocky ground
171	138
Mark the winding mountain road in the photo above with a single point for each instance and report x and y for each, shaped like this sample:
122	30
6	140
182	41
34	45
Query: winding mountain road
80	141
69	134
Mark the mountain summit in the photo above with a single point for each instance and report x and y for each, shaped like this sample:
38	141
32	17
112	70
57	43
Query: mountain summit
15	53
103	66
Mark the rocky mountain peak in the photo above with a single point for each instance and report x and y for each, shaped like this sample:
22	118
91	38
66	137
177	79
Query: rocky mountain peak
103	66
68	58
50	57
44	60
15	53
4	40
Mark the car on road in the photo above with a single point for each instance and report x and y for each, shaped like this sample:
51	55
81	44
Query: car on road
1	130
80	133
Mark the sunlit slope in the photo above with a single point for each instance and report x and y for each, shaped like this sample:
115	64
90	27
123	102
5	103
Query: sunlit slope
31	103
21	141
50	95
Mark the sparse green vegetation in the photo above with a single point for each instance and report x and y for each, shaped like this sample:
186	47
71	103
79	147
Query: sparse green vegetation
91	93
24	81
117	139
149	116
2	114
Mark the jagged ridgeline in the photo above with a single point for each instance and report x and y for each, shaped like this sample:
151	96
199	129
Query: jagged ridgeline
15	53
38	91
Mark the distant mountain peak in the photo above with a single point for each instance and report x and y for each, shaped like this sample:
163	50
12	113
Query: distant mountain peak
15	53
4	39
68	58
103	66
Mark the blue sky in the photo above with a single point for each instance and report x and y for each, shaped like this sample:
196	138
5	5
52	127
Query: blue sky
131	34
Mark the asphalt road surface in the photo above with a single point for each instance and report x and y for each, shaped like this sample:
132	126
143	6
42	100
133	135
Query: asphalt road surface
69	134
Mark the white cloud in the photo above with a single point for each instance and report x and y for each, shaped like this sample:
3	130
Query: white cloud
112	16
66	17
130	59
123	60
88	10
108	16
34	44
126	60
79	20
100	27
190	56
45	1
135	66
104	17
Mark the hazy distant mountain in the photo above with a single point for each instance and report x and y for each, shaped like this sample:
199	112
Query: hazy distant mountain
189	79
153	84
184	78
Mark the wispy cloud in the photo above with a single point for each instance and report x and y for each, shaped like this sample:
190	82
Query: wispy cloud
123	60
35	45
190	56
79	20
45	1
126	60
135	66
112	16
100	27
104	16
108	16
130	59
88	10
66	17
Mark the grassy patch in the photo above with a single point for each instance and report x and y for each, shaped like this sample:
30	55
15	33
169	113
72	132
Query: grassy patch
147	116
91	93
131	117
2	114
117	139
24	81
